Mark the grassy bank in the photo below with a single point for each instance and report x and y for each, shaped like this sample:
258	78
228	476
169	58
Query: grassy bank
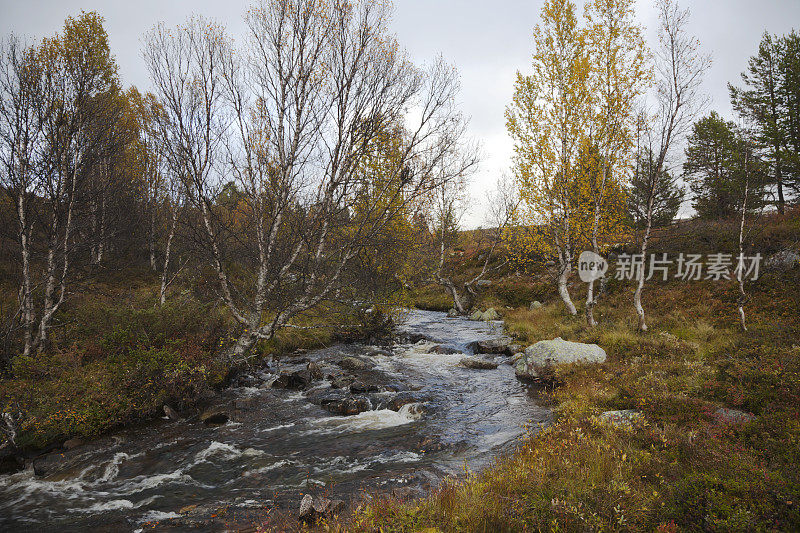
118	358
684	465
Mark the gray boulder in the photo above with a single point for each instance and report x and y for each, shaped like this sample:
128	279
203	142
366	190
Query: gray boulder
476	315
490	314
726	415
452	313
478	363
786	259
540	359
622	418
536	304
313	508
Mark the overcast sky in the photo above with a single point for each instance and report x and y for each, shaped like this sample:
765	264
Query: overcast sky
488	40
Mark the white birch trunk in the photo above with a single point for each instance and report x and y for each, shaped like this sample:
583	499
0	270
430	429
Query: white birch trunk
740	272
26	298
162	299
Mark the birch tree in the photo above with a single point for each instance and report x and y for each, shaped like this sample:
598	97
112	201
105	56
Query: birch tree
619	75
291	117
59	113
740	269
679	70
22	150
79	82
547	120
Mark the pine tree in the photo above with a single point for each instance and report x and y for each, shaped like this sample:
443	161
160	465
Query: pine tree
766	103
714	168
789	92
668	194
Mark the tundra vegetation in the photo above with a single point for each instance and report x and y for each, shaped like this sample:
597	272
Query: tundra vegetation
271	190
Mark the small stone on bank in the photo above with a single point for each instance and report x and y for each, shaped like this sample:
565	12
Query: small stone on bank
622	418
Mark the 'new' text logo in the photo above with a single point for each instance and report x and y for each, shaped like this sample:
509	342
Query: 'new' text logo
591	266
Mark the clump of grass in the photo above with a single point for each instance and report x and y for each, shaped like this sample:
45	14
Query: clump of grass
431	297
123	365
580	474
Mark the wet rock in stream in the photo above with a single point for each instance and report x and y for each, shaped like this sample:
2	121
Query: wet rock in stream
297	379
444	350
10	461
493	347
340	381
412	338
170	413
353	363
214	417
344	405
360	387
315	371
476	363
404	398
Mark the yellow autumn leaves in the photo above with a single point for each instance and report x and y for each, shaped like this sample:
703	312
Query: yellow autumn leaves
572	119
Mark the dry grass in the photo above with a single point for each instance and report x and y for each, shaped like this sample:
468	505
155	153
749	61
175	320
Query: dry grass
680	468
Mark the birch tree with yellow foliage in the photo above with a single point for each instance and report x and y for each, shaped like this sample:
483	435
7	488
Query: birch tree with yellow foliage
547	119
619	76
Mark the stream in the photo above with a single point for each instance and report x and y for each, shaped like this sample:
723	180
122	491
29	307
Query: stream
426	418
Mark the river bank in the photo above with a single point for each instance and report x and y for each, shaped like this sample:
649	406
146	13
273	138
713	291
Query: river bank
712	446
117	359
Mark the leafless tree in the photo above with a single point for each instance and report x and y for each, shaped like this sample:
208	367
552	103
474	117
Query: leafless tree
679	68
22	135
501	206
294	118
59	109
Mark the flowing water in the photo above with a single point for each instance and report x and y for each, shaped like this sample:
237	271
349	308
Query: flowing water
281	443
